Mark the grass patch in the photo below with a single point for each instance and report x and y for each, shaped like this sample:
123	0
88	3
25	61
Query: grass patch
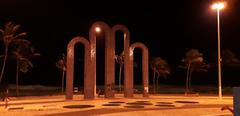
32	90
40	90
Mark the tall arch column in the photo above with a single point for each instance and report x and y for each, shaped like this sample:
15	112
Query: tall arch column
145	64
88	80
109	57
127	78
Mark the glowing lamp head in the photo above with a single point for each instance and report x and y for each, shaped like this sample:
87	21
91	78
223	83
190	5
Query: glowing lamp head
98	29
218	6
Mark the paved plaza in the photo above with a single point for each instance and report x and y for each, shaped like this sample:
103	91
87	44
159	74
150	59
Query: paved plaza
155	105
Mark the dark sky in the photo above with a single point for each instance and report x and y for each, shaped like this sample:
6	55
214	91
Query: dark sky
167	28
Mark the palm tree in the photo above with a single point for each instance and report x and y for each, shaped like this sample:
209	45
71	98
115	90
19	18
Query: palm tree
120	60
22	65
23	52
229	58
9	35
193	62
61	64
160	68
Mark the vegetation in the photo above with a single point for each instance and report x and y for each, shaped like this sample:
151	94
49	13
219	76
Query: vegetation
120	60
61	64
229	58
9	35
21	50
160	68
193	61
23	53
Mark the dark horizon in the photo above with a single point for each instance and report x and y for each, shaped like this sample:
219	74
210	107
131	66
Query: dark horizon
169	29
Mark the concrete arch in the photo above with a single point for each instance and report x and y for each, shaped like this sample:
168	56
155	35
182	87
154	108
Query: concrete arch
109	56
145	72
126	38
90	62
88	83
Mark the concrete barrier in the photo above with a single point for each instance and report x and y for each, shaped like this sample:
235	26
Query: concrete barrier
236	101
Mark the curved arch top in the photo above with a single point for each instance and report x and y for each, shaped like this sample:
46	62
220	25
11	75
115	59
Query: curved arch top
92	32
78	39
88	90
138	45
122	28
93	35
145	64
126	33
126	38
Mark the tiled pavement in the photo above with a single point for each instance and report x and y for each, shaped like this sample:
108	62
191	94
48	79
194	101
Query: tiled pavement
160	105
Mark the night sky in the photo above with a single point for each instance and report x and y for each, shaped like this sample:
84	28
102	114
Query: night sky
168	28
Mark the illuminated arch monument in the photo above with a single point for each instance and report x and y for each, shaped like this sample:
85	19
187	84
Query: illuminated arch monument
90	62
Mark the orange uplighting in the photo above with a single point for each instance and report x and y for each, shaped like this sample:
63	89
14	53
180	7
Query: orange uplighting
97	29
218	6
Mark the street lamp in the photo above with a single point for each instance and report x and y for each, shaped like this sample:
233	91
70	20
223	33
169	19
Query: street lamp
98	29
218	6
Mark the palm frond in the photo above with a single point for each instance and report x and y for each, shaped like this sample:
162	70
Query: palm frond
15	28
2	31
20	35
36	54
24	64
8	28
21	41
160	66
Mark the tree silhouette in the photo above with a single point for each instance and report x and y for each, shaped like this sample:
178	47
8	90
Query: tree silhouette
120	60
160	68
229	58
23	53
61	64
9	34
193	61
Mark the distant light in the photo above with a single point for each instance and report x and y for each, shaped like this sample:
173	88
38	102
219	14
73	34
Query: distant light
98	29
218	6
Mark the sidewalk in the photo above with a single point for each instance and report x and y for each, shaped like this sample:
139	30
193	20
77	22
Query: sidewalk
166	105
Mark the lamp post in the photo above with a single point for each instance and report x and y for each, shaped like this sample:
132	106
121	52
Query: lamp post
218	7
